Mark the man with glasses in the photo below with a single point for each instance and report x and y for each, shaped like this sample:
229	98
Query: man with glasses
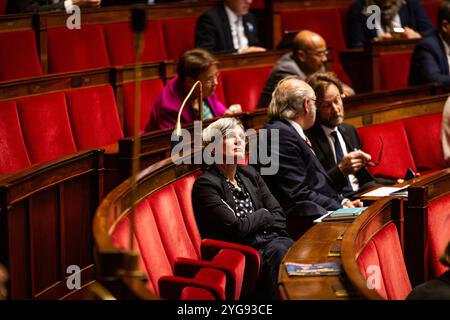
336	144
308	55
301	185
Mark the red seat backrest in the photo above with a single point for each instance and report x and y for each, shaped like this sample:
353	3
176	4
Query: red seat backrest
183	190
438	233
46	128
150	91
324	21
394	69
120	43
13	154
179	35
369	262
18	55
431	9
94	117
220	94
76	49
244	86
396	157
154	261
169	219
384	253
424	136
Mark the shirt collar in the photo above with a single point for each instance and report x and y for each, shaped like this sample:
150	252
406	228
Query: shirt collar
298	128
232	17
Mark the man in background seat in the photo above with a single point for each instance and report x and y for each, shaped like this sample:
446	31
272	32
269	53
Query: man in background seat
227	28
308	55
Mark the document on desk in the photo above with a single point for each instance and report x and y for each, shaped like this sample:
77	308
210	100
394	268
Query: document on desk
388	191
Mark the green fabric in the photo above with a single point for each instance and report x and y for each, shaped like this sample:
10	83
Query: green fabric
207	113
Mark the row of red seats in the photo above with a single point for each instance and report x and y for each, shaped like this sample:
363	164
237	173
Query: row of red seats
45	127
177	262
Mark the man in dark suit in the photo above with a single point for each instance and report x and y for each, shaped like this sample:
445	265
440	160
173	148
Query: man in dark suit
430	60
408	15
228	27
301	185
18	6
308	55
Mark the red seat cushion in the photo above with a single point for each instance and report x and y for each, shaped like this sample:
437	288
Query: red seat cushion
13	154
194	293
172	229
46	127
150	91
431	9
2	6
324	21
120	43
438	233
179	35
394	69
94	117
424	135
396	157
392	263
76	49
18	57
247	95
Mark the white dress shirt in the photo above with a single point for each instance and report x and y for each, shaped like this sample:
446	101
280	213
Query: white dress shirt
240	41
353	180
396	23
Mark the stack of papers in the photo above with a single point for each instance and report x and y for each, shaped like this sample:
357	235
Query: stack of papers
388	191
316	269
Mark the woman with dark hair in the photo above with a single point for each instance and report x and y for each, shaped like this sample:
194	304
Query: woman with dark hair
398	18
232	203
194	65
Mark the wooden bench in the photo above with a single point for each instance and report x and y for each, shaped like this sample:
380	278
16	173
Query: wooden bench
45	225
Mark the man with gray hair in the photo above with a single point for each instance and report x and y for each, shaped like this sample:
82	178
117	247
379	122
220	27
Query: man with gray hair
301	185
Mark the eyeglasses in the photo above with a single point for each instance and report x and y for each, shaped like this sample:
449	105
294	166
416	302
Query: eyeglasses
376	163
323	53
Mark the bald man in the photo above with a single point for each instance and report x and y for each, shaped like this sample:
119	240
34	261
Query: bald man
308	55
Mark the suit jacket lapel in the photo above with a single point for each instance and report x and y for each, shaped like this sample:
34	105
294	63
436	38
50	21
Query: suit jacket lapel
323	144
226	29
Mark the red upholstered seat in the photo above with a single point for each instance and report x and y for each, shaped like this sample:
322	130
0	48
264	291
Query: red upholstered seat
220	91
396	157
94	117
120	43
394	69
244	86
431	9
155	263
18	55
324	21
150	91
257	4
196	294
13	154
438	233
384	251
179	35
46	128
424	136
76	49
2	6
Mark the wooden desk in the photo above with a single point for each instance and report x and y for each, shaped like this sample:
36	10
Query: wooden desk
313	247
